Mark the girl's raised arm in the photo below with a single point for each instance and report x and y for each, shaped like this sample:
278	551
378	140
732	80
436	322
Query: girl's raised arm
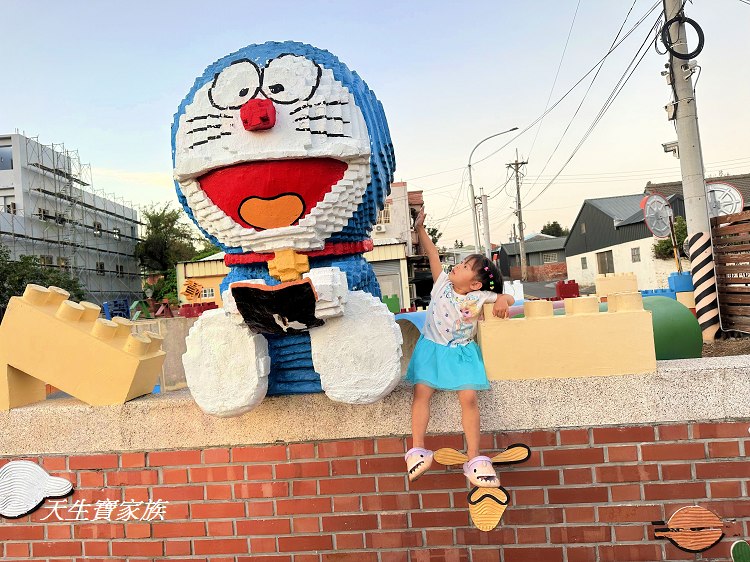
429	247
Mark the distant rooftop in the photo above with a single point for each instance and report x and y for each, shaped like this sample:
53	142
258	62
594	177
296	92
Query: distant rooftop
740	181
537	245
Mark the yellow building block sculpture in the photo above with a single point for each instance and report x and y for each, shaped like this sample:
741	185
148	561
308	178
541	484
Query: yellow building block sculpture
609	283
582	343
45	338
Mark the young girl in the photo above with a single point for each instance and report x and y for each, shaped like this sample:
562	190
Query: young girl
447	358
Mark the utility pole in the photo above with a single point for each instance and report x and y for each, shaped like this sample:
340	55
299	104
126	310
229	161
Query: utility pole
522	245
472	198
684	112
486	221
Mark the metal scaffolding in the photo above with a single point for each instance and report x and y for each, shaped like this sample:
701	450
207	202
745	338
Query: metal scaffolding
59	217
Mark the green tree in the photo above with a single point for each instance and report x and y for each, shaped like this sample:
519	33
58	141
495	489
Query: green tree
15	275
166	287
167	240
663	248
554	229
208	249
458	244
434	233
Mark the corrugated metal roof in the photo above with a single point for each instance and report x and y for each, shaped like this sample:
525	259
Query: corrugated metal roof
537	246
740	181
214	257
620	208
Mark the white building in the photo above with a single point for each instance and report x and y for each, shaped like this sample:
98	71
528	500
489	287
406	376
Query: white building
49	210
394	244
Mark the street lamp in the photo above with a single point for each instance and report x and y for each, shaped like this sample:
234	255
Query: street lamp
472	200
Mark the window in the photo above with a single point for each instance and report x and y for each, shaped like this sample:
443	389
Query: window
583	228
6	157
98	229
44	214
207	293
120	270
100	268
132	232
46	260
384	216
635	254
63	263
549	257
584	265
10	208
60	218
605	262
116	233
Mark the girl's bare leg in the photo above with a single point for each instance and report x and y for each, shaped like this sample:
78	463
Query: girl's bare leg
420	413
470	420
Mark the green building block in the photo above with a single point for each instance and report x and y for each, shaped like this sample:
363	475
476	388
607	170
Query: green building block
392	302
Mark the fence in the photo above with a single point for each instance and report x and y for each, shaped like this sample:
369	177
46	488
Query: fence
731	239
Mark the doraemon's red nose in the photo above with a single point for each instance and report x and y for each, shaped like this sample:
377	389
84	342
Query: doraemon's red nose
258	114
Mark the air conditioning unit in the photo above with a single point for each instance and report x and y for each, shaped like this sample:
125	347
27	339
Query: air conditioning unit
379	228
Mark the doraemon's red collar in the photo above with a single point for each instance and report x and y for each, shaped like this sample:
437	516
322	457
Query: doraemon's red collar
330	249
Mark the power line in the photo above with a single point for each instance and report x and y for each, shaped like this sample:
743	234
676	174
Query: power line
565	95
435	173
611	50
585	95
645	172
554	82
607	104
451	213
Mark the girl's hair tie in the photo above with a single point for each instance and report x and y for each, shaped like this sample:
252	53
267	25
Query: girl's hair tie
490	275
486	268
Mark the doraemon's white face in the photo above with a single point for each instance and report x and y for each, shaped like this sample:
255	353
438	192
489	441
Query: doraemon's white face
274	157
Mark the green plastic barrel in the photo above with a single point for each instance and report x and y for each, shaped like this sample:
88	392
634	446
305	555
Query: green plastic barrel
677	334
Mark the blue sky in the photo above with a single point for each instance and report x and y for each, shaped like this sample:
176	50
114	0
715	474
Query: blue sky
106	79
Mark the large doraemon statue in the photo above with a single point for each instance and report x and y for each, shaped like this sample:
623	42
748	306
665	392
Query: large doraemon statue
283	158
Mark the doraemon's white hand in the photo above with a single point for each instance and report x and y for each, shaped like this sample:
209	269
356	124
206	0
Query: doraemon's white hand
332	289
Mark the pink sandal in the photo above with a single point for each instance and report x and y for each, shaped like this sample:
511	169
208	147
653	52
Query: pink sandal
481	473
418	461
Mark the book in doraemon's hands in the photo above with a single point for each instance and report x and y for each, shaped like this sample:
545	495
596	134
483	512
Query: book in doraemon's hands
288	308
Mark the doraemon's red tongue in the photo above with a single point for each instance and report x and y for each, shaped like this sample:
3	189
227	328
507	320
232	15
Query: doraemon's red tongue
272	193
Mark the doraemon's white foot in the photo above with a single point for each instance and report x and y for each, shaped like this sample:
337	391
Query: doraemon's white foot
358	355
226	364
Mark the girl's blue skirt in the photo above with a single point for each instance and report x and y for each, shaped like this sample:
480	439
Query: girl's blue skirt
447	368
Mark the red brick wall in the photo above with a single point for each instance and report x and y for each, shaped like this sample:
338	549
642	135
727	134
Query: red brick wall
546	272
585	495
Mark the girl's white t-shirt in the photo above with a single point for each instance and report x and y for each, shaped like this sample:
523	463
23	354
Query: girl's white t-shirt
452	318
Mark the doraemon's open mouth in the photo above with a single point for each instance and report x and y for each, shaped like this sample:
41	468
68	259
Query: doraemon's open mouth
272	193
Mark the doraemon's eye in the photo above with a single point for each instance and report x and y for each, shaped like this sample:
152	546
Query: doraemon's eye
290	78
234	85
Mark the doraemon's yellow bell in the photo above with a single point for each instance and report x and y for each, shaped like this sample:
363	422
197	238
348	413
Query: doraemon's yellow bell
288	265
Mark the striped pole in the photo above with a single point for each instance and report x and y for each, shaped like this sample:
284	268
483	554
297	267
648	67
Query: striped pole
704	281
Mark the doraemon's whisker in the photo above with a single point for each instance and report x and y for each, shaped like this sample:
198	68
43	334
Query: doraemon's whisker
322	133
204	141
210	116
300	108
204	128
321	117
